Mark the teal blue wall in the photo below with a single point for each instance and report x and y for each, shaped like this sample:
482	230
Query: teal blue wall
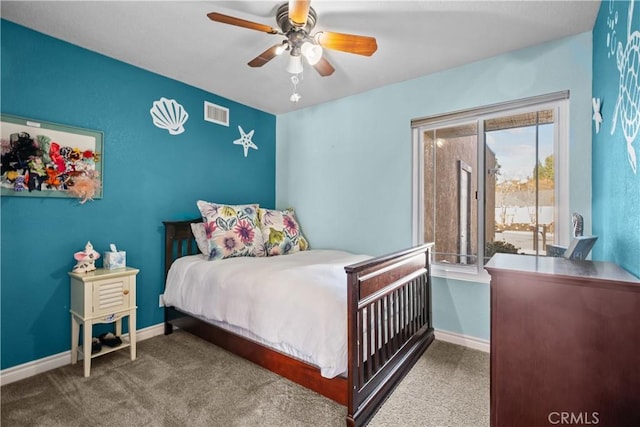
149	176
615	184
346	165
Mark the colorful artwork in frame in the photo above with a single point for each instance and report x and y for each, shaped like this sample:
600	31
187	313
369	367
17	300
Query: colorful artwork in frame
41	159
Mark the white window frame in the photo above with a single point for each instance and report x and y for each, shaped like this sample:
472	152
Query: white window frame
559	101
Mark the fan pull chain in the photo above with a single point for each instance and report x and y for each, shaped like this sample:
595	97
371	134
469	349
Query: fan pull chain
295	96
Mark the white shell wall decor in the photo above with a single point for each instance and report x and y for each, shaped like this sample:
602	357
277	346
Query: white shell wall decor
168	114
628	103
245	141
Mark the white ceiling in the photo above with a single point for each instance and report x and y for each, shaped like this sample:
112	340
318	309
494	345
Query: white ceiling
177	40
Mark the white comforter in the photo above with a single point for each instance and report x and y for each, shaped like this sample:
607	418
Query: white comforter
296	301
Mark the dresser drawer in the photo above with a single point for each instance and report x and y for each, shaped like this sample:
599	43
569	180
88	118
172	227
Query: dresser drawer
111	295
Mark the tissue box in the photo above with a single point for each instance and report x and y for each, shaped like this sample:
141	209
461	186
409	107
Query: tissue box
114	260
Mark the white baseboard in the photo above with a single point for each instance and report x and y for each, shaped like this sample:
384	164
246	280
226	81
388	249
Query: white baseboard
464	340
26	370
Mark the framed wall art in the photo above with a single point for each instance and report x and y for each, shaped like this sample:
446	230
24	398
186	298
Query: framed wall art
41	159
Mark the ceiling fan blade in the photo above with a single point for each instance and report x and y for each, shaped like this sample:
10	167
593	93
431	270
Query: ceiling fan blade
265	56
324	68
298	12
361	45
226	19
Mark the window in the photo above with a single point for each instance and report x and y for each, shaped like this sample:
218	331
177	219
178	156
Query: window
492	179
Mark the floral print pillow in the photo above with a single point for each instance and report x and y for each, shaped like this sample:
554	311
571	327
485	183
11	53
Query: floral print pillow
199	233
281	232
231	231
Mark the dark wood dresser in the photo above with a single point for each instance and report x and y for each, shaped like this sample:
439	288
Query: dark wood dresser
565	342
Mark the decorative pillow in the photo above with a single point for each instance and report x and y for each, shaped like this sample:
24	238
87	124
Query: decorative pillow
281	232
231	231
199	233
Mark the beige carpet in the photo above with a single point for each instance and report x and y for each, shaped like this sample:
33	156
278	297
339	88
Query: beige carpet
181	380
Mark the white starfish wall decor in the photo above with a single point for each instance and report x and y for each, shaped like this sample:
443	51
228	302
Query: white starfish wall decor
245	141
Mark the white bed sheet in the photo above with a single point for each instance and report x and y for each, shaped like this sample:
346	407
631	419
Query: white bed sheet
297	302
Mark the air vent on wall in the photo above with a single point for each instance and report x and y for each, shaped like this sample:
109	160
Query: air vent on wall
216	114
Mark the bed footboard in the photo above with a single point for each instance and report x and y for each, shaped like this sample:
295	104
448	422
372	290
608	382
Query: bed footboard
389	326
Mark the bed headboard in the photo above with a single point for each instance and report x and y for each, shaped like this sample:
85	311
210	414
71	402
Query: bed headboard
178	241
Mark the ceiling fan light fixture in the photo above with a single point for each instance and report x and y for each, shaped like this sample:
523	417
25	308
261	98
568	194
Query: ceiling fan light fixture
312	52
296	19
295	64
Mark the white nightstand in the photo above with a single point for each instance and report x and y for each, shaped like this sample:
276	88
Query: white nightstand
102	296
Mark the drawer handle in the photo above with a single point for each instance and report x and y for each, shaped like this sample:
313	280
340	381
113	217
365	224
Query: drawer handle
126	292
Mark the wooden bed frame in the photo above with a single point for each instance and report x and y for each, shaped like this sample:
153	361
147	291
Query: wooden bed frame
395	288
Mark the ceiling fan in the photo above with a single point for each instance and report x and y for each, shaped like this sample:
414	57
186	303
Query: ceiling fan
296	20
